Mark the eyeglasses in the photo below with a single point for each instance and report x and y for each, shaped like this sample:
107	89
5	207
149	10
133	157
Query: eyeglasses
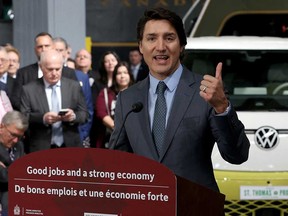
13	135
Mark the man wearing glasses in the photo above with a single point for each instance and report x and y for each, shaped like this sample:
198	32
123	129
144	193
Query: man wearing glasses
12	129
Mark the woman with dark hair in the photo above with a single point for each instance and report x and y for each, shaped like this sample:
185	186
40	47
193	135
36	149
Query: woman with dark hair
107	63
119	78
122	78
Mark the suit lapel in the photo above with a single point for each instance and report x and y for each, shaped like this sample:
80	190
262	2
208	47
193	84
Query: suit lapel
33	72
64	94
10	84
4	155
183	96
43	99
17	151
144	118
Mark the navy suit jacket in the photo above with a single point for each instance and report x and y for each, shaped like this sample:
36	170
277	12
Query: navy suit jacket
142	72
83	79
34	104
9	86
18	151
192	130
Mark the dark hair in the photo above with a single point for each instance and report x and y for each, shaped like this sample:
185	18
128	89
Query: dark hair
134	49
43	34
162	14
102	70
115	86
62	40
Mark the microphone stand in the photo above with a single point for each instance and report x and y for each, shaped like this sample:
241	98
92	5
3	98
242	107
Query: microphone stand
136	107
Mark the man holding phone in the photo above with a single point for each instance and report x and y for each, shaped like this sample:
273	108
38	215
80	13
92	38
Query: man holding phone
63	112
42	101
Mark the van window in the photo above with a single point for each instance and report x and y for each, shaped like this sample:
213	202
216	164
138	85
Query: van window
254	79
257	24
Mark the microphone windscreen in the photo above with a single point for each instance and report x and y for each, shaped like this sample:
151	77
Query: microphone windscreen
137	107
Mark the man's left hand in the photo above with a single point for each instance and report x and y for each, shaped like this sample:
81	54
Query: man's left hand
212	90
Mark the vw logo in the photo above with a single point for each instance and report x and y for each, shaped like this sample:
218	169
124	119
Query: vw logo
266	138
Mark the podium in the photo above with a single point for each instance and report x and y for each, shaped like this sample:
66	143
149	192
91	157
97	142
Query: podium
101	182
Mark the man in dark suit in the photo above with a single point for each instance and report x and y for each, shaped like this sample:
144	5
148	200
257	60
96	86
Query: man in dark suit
6	82
83	63
8	86
43	41
12	128
198	114
138	68
37	103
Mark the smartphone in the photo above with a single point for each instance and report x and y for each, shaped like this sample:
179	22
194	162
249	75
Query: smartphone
62	112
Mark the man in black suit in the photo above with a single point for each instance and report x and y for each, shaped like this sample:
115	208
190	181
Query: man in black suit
43	41
195	112
138	68
37	104
12	129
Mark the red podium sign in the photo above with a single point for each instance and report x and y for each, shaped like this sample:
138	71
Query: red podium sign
90	182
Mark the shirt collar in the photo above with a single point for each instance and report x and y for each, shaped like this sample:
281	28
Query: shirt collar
40	72
47	85
170	81
4	78
135	67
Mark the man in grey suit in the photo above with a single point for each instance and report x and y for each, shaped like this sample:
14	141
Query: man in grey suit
198	114
43	41
12	128
37	104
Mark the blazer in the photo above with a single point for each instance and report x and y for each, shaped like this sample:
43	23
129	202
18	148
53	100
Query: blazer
94	76
83	79
30	73
34	104
18	151
143	72
191	132
9	86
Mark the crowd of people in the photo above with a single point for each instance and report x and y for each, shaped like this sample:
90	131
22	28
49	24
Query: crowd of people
13	78
60	101
83	115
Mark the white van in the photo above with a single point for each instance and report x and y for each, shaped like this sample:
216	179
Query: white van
255	74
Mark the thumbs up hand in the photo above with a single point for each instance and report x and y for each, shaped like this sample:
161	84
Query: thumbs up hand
212	90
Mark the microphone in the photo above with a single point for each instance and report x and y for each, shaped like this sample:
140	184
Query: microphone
136	107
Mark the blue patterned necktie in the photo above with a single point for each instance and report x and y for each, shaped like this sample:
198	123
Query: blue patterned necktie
159	121
57	136
11	154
